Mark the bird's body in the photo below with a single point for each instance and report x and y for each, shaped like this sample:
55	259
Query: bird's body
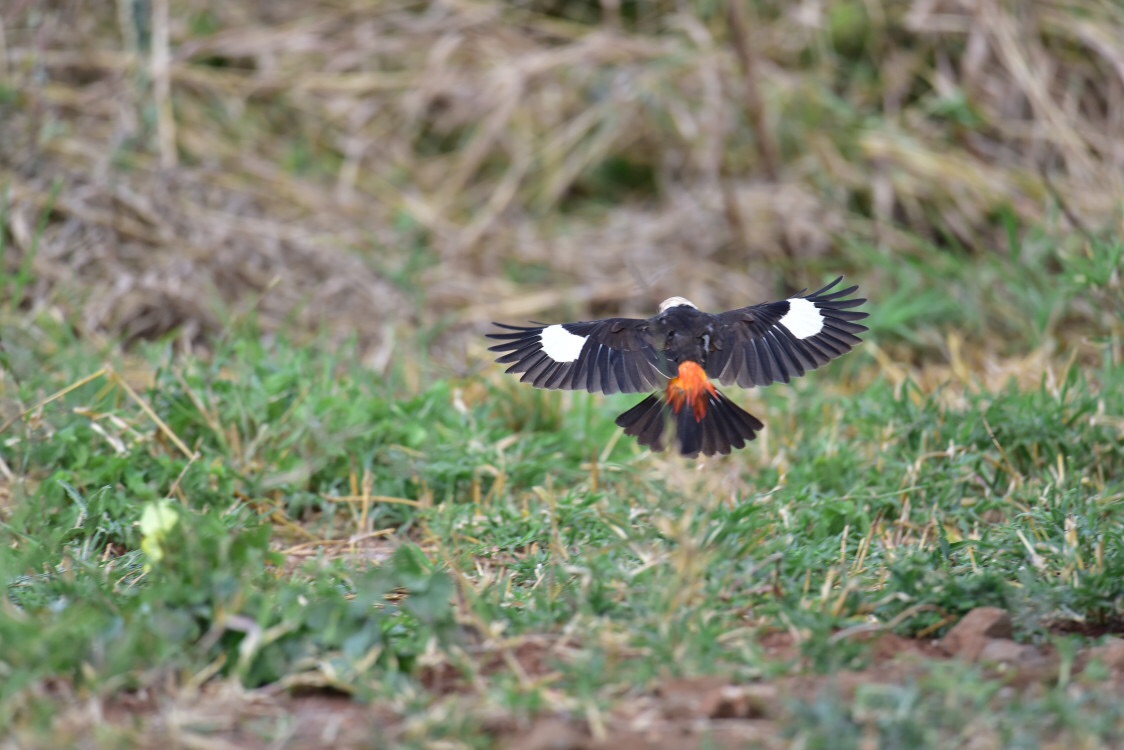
680	352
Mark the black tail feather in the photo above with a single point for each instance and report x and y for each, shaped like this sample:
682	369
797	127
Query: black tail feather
645	422
688	432
724	426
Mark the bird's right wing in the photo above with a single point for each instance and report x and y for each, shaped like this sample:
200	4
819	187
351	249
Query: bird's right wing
778	341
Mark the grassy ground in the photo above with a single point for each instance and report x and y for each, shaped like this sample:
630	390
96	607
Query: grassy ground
260	485
468	555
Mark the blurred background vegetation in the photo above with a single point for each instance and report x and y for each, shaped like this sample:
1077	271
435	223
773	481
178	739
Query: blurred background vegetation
325	202
403	172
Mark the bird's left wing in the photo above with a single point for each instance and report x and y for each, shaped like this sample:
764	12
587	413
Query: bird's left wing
778	341
615	355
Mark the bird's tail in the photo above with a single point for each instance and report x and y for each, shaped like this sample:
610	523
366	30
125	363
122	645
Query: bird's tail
705	420
645	421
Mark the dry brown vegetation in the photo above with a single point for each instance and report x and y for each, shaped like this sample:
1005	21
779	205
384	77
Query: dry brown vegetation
331	165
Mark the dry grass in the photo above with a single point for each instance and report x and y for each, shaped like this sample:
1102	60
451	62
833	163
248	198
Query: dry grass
289	159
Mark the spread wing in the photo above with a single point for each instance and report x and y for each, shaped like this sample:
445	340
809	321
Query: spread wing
778	341
615	355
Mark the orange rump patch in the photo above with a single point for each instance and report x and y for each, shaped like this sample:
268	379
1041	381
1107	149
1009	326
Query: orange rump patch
691	387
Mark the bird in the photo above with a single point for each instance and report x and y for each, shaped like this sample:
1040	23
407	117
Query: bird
679	353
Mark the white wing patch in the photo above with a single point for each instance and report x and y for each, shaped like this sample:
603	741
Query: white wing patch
561	345
803	319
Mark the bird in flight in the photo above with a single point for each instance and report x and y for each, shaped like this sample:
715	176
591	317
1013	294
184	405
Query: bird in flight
679	354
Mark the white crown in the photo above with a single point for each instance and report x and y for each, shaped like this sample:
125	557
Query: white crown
676	302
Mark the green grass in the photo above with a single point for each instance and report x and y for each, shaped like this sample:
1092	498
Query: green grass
497	516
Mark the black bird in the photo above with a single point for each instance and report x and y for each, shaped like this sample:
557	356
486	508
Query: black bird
679	351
